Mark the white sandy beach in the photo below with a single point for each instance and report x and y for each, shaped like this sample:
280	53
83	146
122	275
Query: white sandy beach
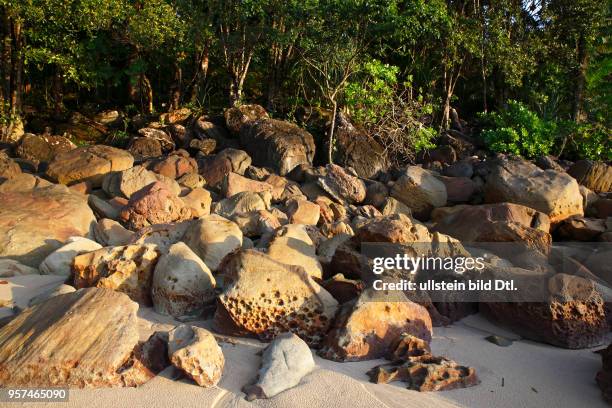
525	374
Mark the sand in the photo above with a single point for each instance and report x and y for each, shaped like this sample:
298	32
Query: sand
525	374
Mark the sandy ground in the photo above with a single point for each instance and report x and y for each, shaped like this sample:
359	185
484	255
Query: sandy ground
525	374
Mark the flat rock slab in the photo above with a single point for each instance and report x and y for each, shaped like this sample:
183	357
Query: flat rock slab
80	339
35	223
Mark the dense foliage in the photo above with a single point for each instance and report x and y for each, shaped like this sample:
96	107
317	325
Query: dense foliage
541	66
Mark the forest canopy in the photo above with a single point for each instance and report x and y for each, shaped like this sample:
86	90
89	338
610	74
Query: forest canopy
532	75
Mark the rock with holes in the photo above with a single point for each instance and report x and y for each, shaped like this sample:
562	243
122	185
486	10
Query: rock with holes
420	190
196	352
36	222
518	181
284	363
212	237
292	245
46	345
367	327
264	297
59	261
182	283
127	269
342	186
89	163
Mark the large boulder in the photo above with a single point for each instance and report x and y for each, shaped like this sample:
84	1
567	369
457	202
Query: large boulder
212	237
128	269
175	166
154	204
292	245
342	186
47	346
518	181
595	176
243	202
89	163
277	144
239	115
366	328
182	283
42	149
163	138
216	168
235	183
265	298
127	182
196	353
36	222
284	363
420	190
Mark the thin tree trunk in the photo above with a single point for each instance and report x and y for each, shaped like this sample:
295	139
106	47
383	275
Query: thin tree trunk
330	139
57	95
176	91
583	62
146	92
201	71
17	76
5	61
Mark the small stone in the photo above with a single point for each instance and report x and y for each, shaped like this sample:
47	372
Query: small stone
499	340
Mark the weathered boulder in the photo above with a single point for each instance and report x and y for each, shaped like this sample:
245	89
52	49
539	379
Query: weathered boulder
237	116
257	223
595	176
235	183
127	269
204	146
292	245
458	189
109	232
284	363
574	316
59	261
216	168
277	144
60	290
8	168
198	201
518	181
366	328
264	297
342	186
46	345
161	235
196	352
392	206
154	204
164	139
89	163
23	182
191	180
578	228
10	268
212	237
143	148
182	283
244	202
34	223
420	190
42	149
302	211
127	182
174	166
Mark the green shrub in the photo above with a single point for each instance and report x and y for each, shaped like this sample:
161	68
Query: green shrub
588	141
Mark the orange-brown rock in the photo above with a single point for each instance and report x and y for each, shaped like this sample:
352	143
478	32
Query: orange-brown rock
235	183
214	169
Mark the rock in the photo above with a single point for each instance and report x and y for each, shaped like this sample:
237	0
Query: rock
420	190
23	182
392	206
257	223
578	228
444	154
284	363
60	290
292	245
212	237
595	176
604	376
204	146
426	373
603	208
226	161
503	222
198	201
237	116
172	185
127	269
10	268
518	181
108	118
211	128
574	316
366	328
143	148
42	149
343	289
161	235
59	261
12	132
182	283
154	204
35	223
89	163
175	116
175	166
499	340
241	203
235	183
302	211
358	150
599	263
265	298
8	168
277	144
196	352
342	186
127	182
46	346
463	168
180	134
191	180
548	163
376	194
164	139
458	189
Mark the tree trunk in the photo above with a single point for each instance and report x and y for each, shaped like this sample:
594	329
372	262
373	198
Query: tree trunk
146	93
236	90
201	71
5	62
175	90
583	62
17	75
56	91
330	139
